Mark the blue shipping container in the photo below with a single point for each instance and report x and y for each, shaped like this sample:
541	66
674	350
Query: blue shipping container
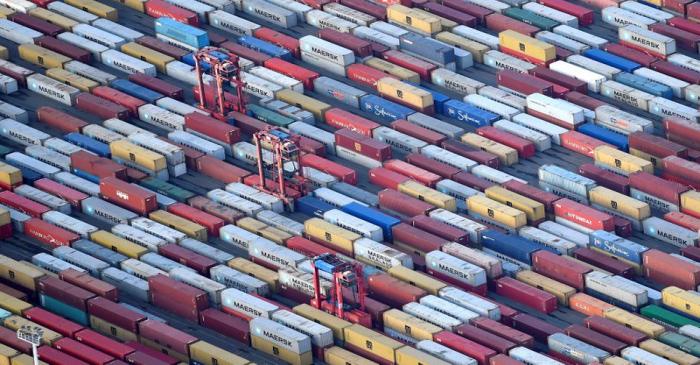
4	314
644	84
606	135
383	109
439	99
29	176
88	143
516	247
611	60
86	175
189	59
372	215
180	32
427	48
64	310
465	112
265	47
312	206
617	246
136	90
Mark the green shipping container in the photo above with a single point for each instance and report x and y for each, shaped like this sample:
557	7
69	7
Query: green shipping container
665	316
681	342
167	189
4	150
64	310
528	17
269	116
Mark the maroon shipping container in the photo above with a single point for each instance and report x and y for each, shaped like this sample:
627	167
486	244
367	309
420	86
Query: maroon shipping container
311	146
22	204
517	337
485	338
191	155
691	252
100	107
523	83
306	247
160	356
529	191
668	270
656	146
604	262
653	185
13	292
335	169
162	47
562	53
115	314
583	100
282	40
525	148
359	46
436	167
526	294
594	338
679	6
423	68
440	229
615	330
228	215
472	153
52	356
681	127
157	85
186	257
52	321
212	127
82	351
623	226
684	24
129	196
605	178
403	204
141	358
478	12
220	170
452	14
560	79
9	338
37	24
60	120
48	233
66	292
121	98
134	175
684	39
16	72
215	39
478	352
472	181
416	131
94	285
687	171
537	328
225	324
558	268
498	22
98	166
366	7
159	8
103	343
64	48
676	71
386	178
166	336
631	54
366	146
257	57
392	291
417	240
179	298
502	359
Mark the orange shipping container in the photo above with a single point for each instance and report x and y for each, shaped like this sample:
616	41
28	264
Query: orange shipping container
586	304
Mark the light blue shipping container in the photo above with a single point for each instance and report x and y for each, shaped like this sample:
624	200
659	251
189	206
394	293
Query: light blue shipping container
617	246
54	305
180	32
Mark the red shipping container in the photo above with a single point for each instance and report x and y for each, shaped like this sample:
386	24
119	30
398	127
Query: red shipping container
422	68
101	107
623	227
478	12
558	268
282	40
225	213
118	97
691	252
64	48
472	181
9	338
98	166
668	270
392	291
52	321
340	119
678	6
583	215
225	324
631	54
386	178
525	148
436	167
583	100
653	185
307	247
369	147
541	196
155	354
341	172
498	22
302	74
166	336
22	204
141	358
485	338
537	328
584	15
615	330
478	352
581	143
220	170
403	204
209	95
683	220
604	262
247	124
676	71
559	79
115	314
311	146
692	10
359	46
127	195
159	8
523	83
416	131
179	298
37	24
502	330
212	127
681	127
450	14
472	153
416	173
502	359
135	176
440	229
188	258
258	58
103	343
526	294
366	7
378	49
60	120
157	84
684	169
684	39
365	75
55	357
48	234
210	222
94	285
684	24
594	338
656	146
82	351
419	241
605	178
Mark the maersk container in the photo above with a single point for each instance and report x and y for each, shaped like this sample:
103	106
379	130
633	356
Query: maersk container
515	247
128	64
184	33
620	17
669	232
18	33
373	216
160	117
427	48
644	84
270	12
469	113
451	267
21	133
612	60
575	349
606	135
502	61
105	211
670	109
52	89
453	81
562	41
617	246
398	140
383	109
626	94
647	41
259	87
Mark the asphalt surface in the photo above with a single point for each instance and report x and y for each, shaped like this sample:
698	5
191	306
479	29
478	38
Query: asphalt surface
20	247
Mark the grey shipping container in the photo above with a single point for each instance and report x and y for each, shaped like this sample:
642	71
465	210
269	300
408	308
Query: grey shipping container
342	92
99	252
269	12
106	212
427	48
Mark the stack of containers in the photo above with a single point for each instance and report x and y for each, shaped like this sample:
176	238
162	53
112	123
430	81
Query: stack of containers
280	341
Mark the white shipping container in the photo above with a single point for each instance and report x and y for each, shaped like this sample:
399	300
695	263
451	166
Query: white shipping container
80	259
77	183
350	155
491	265
159	230
528	356
502	61
228	22
613	287
455	268
390	29
317	178
398	140
692	93
194	6
72	12
90	72
184	72
254	195
447	157
53	264
541	141
354	224
280	335
247	152
302	279
8	85
435	124
622	121
233	278
128	64
259	87
101	133
556	108
269	12
638	356
277	78
176	43
459	191
556	15
482	102
178	107
125	128
445	353
374	35
670	109
246	304
620	17
646	11
431	315
594	66
211	287
453	81
69	223
238	236
626	94
197	143
21	133
334	198
678	86
159	117
117	29
670	233
684	61
274	254
321	336
22	160
580	36
93	47
327	51
298	8
100	36
8	110
348	14
323	20
43	197
315	133
226	5
505	97
281	222
594	80
494	175
380	255
690	330
566	180
470	301
450	309
477	36
49	156
234	202
648	40
20	6
473	228
63	147
562	41
52	89
563	246
173	154
494	5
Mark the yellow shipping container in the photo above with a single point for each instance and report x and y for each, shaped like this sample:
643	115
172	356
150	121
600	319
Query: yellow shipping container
531	47
690	200
54	18
5	217
428	195
41	56
533	209
624	204
118	244
621	161
409	325
130	152
682	300
43	271
336	324
339	356
24	359
616	360
286	355
5	12
371	341
135	4
257	271
562	291
18	273
146	54
340	238
656	161
409	94
15	322
4	53
251	225
475	48
496	211
507	156
7	353
634	321
413	18
95	7
207	354
315	107
275	235
408	355
112	331
12	304
447	25
417	278
394	70
69	78
669	353
10	175
183	225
